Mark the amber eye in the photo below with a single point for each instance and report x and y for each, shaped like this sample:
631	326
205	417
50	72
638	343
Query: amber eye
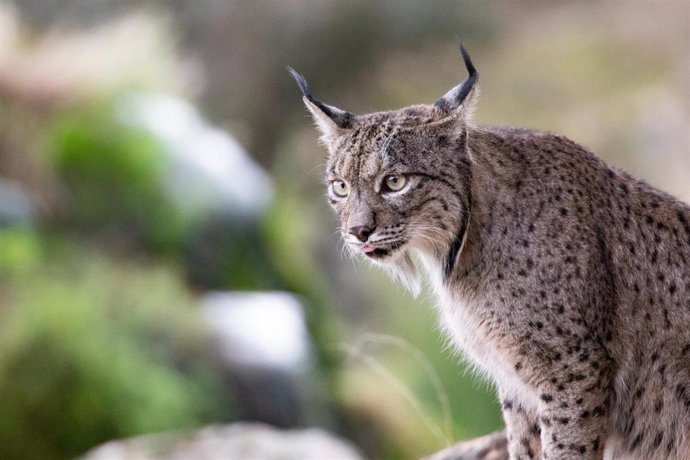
340	188
395	183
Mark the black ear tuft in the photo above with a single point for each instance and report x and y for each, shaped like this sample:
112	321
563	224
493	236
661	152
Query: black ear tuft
456	96
468	64
301	82
340	117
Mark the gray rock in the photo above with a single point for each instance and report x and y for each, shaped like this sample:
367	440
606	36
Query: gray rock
493	446
16	207
209	171
230	442
215	186
264	345
265	329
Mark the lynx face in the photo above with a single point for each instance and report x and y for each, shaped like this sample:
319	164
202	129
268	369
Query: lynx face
400	180
394	187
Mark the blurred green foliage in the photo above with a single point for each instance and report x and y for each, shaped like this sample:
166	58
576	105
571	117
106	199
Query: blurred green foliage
470	399
230	252
298	272
114	171
93	349
21	250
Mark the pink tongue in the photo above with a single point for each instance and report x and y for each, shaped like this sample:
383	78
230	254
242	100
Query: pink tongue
366	247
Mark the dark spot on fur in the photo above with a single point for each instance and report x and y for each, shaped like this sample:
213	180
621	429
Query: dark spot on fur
636	442
595	444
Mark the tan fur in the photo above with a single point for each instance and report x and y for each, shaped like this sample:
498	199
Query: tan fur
564	280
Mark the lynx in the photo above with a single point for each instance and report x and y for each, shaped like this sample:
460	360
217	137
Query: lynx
565	281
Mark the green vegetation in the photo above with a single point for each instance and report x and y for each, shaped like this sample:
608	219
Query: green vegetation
94	348
115	173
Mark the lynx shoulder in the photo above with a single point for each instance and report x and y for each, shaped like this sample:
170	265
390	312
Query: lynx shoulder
562	279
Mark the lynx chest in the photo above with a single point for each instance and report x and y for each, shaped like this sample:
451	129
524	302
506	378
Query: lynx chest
472	330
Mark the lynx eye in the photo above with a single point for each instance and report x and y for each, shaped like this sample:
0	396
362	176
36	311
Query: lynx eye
394	183
340	188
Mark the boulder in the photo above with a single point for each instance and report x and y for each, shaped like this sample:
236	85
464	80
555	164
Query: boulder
493	446
240	441
209	171
266	353
16	207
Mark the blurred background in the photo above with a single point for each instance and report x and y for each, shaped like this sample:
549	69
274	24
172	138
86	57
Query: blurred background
167	257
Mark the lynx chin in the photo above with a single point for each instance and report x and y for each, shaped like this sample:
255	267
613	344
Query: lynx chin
562	279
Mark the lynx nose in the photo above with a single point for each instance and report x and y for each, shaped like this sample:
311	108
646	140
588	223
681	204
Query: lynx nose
362	232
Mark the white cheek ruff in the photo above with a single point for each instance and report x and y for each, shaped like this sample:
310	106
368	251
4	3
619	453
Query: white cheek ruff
465	334
401	268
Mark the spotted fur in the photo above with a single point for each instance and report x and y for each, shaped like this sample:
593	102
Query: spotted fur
564	280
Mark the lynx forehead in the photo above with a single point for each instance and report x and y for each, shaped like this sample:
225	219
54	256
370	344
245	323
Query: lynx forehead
563	280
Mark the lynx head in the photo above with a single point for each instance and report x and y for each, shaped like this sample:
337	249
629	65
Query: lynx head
400	180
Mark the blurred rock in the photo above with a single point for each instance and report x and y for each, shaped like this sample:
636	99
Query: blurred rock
231	442
265	329
209	170
263	341
16	207
493	446
216	185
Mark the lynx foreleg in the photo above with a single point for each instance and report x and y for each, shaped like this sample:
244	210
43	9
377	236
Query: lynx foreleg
522	429
574	409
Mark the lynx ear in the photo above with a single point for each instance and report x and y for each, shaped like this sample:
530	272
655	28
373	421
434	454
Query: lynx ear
457	98
330	120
